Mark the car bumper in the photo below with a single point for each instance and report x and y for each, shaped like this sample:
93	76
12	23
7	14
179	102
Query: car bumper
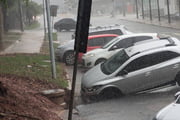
87	62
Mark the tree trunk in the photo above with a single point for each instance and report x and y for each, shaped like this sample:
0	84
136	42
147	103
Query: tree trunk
1	23
3	90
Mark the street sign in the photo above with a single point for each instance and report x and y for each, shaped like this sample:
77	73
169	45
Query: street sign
53	10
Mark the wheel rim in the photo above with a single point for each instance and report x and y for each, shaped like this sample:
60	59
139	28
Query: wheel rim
70	58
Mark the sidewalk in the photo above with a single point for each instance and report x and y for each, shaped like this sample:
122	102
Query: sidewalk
164	22
30	42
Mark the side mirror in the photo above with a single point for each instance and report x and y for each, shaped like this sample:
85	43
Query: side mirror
123	72
176	95
114	47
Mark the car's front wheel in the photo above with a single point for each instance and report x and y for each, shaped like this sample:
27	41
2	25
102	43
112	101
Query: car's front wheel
110	93
69	58
100	61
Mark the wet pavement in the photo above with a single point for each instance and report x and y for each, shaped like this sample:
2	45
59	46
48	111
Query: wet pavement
30	42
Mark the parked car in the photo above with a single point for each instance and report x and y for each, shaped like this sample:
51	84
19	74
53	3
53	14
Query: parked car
99	55
111	29
144	66
65	24
65	52
171	111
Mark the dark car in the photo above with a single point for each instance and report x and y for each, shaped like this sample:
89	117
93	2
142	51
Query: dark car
65	24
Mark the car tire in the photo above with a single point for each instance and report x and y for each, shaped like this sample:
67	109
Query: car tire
177	79
100	60
110	93
69	58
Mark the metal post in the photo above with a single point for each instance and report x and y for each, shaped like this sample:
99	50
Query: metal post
179	7
159	18
44	17
21	17
150	10
142	9
168	10
137	14
53	66
124	8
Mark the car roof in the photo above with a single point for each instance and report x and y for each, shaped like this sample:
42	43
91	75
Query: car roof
138	34
149	45
102	35
110	27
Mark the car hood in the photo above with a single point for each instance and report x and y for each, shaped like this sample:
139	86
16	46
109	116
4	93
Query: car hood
93	76
171	112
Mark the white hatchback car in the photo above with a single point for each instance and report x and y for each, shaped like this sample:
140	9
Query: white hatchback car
99	55
170	112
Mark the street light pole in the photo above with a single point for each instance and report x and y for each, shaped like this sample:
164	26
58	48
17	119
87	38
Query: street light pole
137	14
158	10
53	66
150	10
142	9
168	10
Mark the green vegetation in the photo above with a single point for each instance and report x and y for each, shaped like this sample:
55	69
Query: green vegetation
33	25
54	36
36	66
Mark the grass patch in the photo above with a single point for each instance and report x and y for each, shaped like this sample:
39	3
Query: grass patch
33	25
54	36
35	66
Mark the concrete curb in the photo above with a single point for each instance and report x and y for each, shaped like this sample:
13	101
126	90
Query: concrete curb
150	23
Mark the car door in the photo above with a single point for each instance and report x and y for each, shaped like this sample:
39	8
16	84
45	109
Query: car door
139	74
166	67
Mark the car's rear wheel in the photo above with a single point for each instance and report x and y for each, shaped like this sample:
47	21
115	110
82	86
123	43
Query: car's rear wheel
177	79
69	58
110	93
100	60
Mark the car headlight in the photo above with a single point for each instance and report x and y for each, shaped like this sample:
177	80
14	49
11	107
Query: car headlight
89	55
94	88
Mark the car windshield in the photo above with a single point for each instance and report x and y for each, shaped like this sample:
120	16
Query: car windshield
178	100
110	43
112	64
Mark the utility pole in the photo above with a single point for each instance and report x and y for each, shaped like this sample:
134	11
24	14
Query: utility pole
168	10
53	66
124	8
137	14
44	17
150	10
158	10
142	8
21	17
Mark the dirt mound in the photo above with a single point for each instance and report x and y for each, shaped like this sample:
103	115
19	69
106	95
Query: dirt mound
20	99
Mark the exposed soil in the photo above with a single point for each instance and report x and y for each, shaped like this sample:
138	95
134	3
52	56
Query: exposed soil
20	99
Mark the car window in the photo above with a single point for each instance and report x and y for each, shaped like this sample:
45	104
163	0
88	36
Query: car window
110	31
141	38
107	39
149	60
96	41
124	43
113	63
